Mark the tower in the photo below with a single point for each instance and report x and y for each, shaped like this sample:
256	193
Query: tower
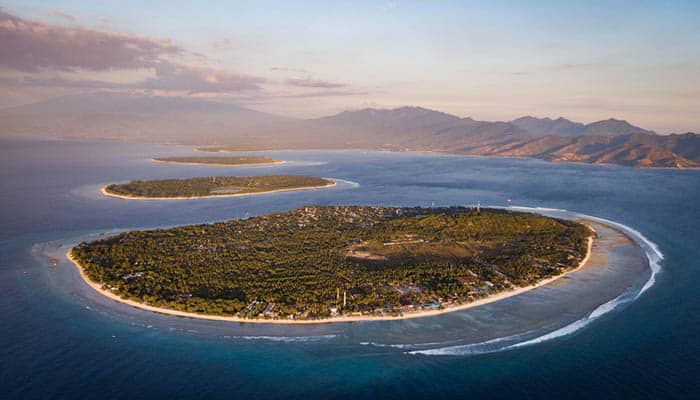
478	207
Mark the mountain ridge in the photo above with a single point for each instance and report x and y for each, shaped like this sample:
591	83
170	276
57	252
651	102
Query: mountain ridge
409	128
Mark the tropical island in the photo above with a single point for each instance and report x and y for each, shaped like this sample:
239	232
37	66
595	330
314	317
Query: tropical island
213	186
335	263
237	161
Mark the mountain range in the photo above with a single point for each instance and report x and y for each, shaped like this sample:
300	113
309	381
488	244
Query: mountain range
216	126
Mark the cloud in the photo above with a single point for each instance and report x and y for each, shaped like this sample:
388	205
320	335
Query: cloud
40	50
314	83
62	14
46	58
194	79
284	68
32	46
304	79
169	77
223	43
325	93
60	82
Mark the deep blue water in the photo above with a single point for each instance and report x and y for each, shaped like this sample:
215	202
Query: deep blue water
59	340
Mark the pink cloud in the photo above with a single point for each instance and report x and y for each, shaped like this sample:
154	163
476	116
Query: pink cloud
181	77
314	83
169	77
284	68
32	46
62	14
324	93
56	82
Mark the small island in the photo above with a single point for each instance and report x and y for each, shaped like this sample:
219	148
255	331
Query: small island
213	186
237	161
335	263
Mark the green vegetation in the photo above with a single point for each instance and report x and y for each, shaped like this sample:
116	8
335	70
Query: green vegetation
214	186
301	264
240	160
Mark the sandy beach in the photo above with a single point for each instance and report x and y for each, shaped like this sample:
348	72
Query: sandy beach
119	196
352	318
265	164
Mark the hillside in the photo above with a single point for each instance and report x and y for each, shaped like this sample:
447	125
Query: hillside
136	117
635	150
564	127
228	126
416	129
548	126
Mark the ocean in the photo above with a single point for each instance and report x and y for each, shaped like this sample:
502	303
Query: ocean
627	329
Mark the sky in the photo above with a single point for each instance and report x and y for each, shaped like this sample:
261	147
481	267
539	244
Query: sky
496	60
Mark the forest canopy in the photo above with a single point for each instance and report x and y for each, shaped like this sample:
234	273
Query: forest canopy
319	262
214	186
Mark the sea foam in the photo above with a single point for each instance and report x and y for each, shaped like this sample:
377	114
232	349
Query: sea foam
347	182
286	339
653	254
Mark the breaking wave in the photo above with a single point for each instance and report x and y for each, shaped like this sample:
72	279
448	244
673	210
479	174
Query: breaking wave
401	346
487	346
285	339
653	254
350	183
293	163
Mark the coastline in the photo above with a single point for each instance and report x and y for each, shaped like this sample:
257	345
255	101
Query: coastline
120	196
265	164
353	318
439	152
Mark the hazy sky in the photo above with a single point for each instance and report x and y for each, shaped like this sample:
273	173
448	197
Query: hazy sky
496	60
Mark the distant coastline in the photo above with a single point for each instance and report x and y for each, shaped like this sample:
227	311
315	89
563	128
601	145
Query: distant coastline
105	192
224	149
351	318
409	128
261	164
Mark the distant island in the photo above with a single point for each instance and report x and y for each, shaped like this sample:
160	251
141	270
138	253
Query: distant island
213	186
224	126
416	129
228	161
335	263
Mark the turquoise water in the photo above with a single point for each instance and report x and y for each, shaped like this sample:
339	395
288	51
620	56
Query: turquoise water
594	336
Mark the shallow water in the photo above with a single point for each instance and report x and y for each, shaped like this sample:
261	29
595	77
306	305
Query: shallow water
589	335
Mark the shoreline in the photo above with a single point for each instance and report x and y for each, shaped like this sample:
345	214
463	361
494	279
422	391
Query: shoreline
104	191
265	164
197	148
437	152
409	315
